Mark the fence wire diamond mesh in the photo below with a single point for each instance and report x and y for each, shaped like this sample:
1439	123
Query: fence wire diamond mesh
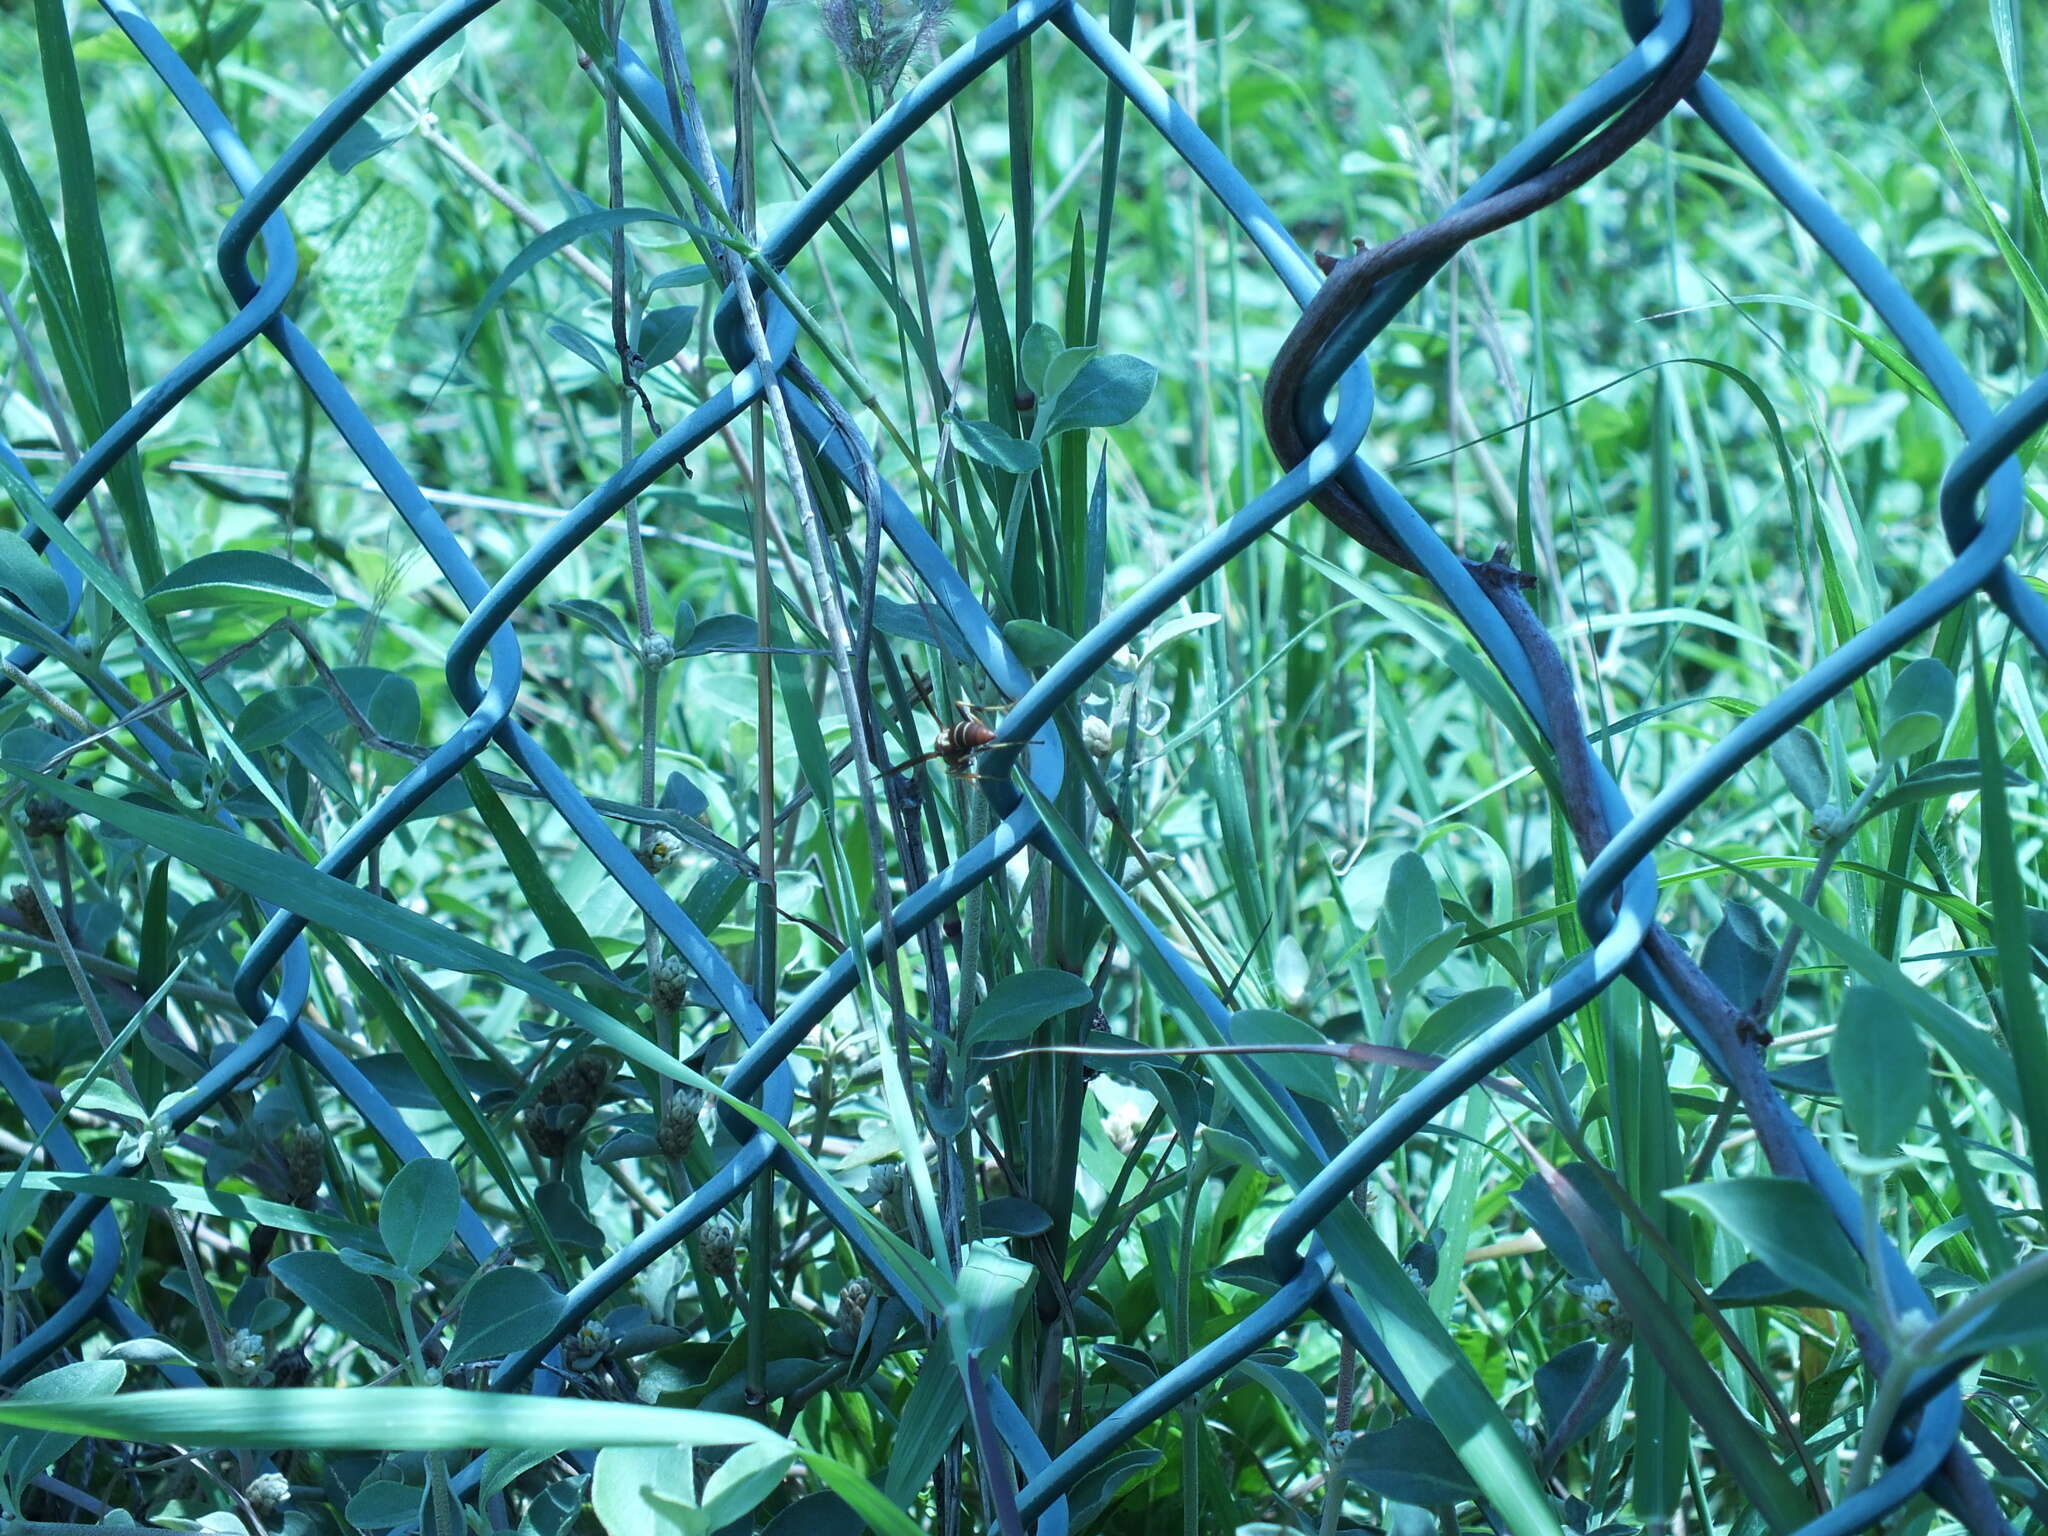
1315	1265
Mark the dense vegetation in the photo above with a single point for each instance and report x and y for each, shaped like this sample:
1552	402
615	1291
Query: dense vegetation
1657	395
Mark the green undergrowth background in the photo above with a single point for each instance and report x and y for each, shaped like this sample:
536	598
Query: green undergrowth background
1658	395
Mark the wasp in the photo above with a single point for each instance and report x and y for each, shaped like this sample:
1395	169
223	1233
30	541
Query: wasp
956	744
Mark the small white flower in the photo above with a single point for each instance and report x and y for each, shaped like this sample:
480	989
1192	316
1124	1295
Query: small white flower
244	1354
266	1491
1122	1125
589	1346
1603	1309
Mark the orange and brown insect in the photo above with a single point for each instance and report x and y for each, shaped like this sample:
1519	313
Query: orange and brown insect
956	744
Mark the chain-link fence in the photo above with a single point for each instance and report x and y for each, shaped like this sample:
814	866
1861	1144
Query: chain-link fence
1617	903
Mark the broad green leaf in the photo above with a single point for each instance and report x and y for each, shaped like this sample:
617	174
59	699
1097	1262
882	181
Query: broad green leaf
2014	1316
745	1478
352	1304
1917	710
1804	764
438	67
1787	1225
1975	1051
598	616
663	333
1040	345
1878	1065
1012	1216
363	141
505	1311
992	1288
1560	1234
24	1455
383	1503
1018	1004
147	1352
1314	1074
1106	392
417	1216
1409	1461
721	632
1036	645
1562	1379
32	579
987	443
647	1491
584	346
1738	954
1413	938
1061	369
240	578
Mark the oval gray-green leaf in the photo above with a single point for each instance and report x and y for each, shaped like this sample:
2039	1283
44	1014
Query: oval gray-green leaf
1017	1005
1878	1063
663	333
1799	758
1918	708
384	1503
1788	1226
1011	1216
352	1304
987	443
1106	392
1411	923
417	1216
1738	955
1311	1072
23	1454
32	579
1412	1462
1036	645
637	1489
506	1311
1040	346
743	1480
239	578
